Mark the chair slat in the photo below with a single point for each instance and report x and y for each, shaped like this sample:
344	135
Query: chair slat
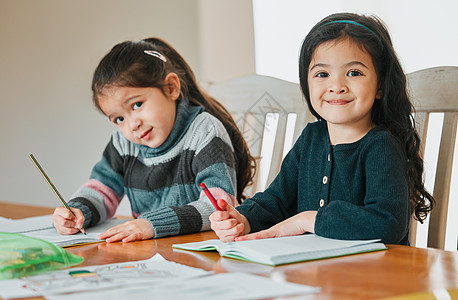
277	153
435	90
438	222
255	96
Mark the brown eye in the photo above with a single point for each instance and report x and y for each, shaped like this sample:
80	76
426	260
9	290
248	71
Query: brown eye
322	74
119	120
137	105
354	73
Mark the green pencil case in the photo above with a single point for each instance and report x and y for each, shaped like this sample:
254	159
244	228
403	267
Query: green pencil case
22	256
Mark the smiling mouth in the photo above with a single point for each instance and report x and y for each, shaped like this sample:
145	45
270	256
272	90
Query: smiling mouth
337	101
146	134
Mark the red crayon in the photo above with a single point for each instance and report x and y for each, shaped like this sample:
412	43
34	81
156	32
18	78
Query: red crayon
210	196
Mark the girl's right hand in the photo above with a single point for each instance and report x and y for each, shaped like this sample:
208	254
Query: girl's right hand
228	223
65	222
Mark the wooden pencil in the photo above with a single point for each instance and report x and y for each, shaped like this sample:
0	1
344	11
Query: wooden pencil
43	173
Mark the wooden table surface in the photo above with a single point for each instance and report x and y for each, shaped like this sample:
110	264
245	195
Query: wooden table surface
400	270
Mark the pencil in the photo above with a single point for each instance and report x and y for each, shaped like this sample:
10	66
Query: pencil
210	196
53	188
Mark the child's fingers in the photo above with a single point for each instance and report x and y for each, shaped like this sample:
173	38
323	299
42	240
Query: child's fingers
264	234
108	233
228	211
226	239
62	212
113	234
136	236
65	226
117	237
225	224
219	216
79	218
130	231
66	230
131	238
224	205
238	229
65	221
229	232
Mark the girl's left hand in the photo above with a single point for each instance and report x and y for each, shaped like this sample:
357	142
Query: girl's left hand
296	225
135	230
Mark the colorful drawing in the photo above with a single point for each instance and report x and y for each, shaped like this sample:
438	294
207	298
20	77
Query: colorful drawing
151	271
110	274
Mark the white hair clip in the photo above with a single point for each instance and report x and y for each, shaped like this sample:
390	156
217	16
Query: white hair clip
156	54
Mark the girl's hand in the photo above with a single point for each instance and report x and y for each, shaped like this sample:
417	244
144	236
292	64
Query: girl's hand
296	225
228	223
135	230
65	222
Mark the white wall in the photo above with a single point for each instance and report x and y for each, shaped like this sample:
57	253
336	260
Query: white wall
226	39
49	50
423	31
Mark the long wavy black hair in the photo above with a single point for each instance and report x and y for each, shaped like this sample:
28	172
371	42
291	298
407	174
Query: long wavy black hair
126	65
394	109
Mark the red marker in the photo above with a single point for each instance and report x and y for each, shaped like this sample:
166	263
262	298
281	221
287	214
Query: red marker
210	196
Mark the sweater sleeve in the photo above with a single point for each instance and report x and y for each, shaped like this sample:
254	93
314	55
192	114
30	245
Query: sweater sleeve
213	163
279	201
385	212
99	198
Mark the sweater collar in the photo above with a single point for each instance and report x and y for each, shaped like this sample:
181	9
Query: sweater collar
186	113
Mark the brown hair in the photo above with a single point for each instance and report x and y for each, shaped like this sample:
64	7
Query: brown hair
126	65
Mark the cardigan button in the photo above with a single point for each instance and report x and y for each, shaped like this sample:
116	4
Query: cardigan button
325	179
321	202
329	157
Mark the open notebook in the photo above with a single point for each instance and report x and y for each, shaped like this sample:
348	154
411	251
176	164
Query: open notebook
41	227
284	250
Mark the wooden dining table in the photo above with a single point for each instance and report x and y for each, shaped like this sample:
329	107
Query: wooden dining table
400	272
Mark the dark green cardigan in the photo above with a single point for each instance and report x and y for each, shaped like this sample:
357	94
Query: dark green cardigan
365	194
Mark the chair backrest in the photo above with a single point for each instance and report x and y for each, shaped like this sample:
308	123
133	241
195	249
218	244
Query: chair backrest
436	90
256	102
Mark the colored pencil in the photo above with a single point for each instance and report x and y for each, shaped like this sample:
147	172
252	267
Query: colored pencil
210	196
43	173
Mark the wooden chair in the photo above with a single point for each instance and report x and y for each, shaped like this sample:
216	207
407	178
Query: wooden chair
256	102
436	90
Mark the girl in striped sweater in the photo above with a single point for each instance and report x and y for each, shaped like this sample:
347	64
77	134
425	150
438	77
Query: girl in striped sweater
170	137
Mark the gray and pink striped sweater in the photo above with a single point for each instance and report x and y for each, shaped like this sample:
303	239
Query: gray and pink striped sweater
162	184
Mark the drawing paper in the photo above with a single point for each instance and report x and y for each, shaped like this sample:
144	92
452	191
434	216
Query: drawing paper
218	286
144	273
